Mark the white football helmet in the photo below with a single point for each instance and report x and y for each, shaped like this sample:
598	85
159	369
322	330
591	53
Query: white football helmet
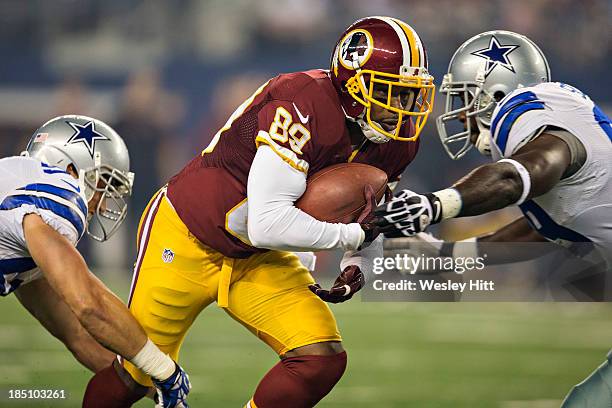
482	71
99	156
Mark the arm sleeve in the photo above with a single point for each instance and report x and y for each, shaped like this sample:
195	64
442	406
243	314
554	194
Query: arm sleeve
273	220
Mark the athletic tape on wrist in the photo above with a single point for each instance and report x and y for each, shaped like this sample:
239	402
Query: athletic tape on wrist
466	248
525	178
152	361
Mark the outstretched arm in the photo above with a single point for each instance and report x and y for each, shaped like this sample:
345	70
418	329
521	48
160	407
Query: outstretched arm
55	315
518	230
498	185
98	310
532	171
103	315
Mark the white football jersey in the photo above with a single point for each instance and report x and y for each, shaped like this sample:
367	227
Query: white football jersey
578	208
30	186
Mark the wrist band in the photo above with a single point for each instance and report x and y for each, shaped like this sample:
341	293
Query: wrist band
525	178
451	202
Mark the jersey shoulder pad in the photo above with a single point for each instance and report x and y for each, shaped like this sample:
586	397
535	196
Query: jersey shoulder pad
516	118
56	197
302	121
285	86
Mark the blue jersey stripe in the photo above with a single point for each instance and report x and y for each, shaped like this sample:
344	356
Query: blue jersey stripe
44	203
548	227
16	265
506	126
603	120
510	104
52	169
66	194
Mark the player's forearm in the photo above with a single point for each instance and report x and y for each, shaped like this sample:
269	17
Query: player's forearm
110	322
534	170
489	188
291	229
518	230
100	312
273	220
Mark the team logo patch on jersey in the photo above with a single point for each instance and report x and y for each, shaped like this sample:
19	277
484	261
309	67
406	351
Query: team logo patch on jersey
355	49
167	256
85	134
496	54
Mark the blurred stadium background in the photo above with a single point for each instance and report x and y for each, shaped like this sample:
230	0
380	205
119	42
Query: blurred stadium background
166	75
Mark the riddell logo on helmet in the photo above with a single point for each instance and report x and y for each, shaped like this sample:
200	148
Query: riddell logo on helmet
355	49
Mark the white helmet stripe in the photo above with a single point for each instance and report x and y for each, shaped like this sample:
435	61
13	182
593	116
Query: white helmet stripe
402	37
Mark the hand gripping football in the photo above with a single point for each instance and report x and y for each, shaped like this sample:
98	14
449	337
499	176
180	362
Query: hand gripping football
335	194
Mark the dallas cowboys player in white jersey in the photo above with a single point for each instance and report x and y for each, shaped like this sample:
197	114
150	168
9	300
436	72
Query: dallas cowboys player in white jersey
552	152
73	178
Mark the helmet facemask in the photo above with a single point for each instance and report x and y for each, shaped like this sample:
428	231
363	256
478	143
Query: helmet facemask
110	187
467	102
361	87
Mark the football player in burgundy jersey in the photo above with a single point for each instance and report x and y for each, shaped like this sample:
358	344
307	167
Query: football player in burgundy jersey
222	229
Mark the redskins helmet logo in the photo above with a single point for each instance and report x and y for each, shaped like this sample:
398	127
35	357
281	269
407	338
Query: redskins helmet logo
355	49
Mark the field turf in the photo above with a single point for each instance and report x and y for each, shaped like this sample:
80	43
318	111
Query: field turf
507	355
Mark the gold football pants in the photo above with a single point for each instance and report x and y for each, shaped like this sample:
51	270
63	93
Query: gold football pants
176	277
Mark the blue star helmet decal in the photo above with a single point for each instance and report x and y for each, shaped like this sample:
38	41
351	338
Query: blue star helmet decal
85	134
496	54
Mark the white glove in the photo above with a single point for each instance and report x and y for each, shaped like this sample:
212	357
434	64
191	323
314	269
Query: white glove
422	243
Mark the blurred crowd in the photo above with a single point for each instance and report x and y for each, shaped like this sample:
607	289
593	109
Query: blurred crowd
167	74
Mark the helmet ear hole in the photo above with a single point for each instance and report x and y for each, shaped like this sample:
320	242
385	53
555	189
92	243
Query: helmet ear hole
498	96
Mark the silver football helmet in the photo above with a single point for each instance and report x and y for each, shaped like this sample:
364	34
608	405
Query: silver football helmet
482	71
99	156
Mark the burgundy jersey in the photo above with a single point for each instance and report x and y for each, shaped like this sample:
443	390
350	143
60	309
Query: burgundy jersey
299	116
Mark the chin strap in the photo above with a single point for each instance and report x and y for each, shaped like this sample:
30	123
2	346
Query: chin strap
483	142
372	134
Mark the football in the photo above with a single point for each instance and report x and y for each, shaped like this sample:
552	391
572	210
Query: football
335	194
